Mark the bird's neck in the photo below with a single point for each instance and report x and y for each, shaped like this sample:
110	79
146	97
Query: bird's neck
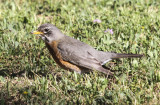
54	39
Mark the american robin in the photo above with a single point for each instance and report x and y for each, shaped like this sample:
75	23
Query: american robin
75	55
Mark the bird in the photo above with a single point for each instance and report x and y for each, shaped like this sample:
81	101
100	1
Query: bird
75	55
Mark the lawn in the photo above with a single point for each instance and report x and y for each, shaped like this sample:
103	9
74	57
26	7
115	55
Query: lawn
29	75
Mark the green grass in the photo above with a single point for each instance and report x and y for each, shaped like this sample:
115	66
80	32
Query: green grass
28	74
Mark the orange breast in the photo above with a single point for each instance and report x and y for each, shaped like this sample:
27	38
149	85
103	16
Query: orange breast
52	47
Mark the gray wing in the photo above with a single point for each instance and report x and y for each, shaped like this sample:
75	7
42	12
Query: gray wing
80	54
77	53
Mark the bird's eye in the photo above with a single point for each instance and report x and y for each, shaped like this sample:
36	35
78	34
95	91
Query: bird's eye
46	30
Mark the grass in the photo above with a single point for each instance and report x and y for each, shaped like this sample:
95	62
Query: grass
28	74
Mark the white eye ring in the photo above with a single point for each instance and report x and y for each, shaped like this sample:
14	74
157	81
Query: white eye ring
46	30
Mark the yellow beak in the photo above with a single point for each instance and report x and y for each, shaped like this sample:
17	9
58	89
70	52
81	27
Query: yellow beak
37	33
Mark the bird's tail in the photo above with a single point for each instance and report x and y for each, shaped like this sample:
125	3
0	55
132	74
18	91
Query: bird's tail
117	55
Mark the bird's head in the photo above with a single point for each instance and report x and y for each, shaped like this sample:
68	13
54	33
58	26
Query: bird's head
48	32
